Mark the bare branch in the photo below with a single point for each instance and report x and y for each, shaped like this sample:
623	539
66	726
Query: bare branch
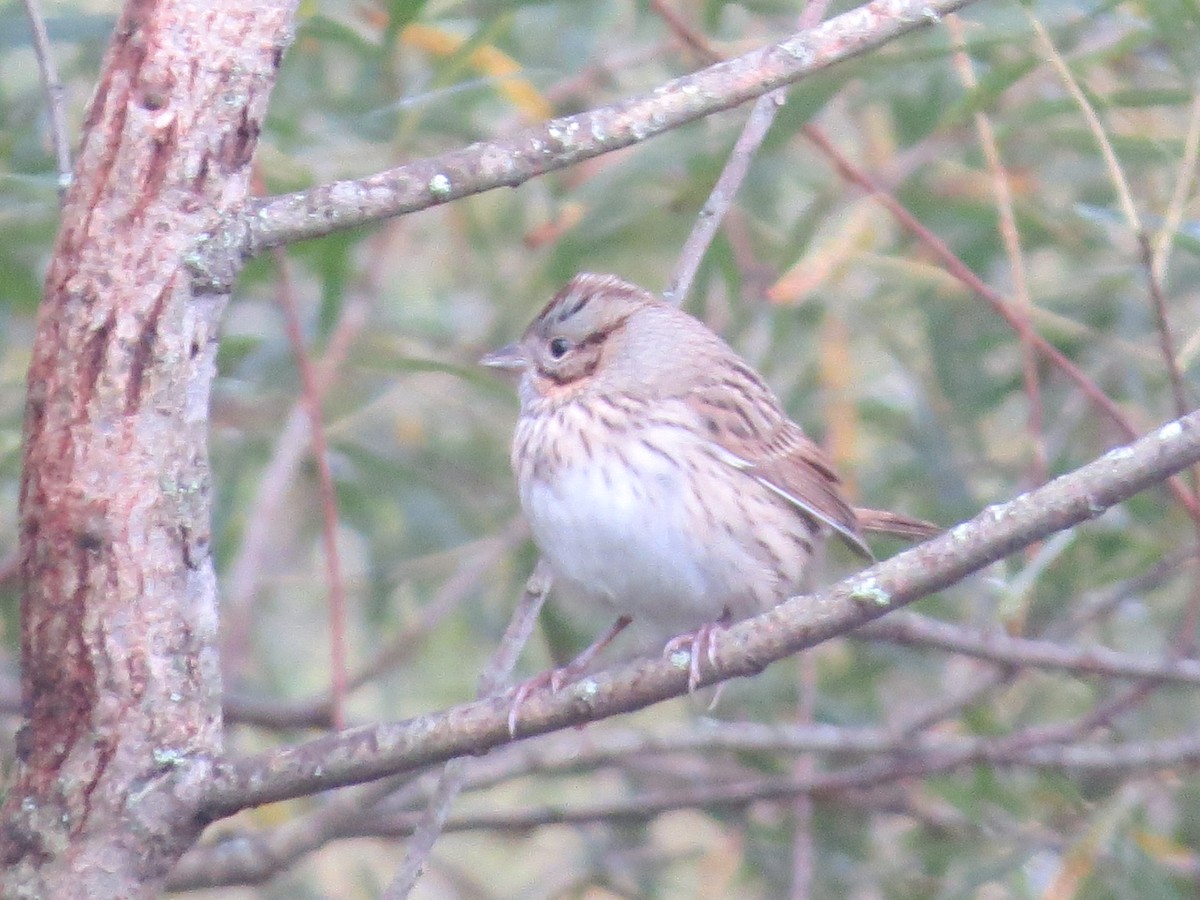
712	214
371	752
937	756
249	858
754	132
560	142
924	758
911	629
55	95
244	858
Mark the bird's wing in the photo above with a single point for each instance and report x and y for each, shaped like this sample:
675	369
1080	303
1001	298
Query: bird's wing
745	423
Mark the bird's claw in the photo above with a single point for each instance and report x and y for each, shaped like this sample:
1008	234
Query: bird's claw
697	644
554	679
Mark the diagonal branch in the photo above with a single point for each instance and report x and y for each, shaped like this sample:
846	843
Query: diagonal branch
559	142
912	630
366	753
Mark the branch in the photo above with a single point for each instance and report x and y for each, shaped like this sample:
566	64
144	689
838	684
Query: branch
253	858
936	756
999	304
55	95
249	857
366	753
559	142
1096	605
754	132
911	629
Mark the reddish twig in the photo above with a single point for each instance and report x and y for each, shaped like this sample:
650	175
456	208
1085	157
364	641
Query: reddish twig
262	516
695	40
310	395
1002	307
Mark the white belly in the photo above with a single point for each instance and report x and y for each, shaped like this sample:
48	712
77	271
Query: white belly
628	542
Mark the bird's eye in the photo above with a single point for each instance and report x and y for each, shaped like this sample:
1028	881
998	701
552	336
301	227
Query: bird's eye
559	347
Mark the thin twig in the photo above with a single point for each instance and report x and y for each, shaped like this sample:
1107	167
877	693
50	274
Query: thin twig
720	199
311	397
448	597
250	858
1032	748
1165	338
911	629
999	304
713	212
568	752
1185	634
695	40
450	784
600	73
1174	216
55	96
1098	605
428	829
1128	209
803	851
1184	179
262	516
314	712
1101	602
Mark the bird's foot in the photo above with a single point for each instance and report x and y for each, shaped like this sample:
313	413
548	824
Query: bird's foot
698	644
557	679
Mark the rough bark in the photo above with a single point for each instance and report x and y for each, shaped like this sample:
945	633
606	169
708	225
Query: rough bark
120	686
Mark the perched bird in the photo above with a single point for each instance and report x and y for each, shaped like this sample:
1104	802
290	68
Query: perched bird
660	476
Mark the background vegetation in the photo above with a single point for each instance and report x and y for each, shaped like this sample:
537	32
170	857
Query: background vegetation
929	401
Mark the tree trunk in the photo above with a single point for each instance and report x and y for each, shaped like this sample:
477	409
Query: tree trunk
120	680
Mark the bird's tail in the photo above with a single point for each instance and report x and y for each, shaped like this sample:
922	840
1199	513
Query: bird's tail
884	522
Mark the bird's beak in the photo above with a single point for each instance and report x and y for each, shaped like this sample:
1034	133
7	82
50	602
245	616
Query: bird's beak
510	357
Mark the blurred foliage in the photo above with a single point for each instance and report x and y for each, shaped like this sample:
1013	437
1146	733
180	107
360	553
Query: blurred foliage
923	382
